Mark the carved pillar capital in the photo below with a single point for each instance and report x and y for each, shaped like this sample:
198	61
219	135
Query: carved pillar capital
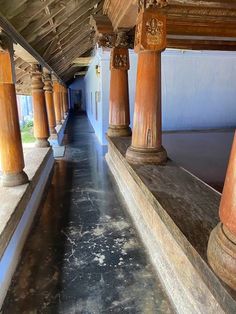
119	59
150	32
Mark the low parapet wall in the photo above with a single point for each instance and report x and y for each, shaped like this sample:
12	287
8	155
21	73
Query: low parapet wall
17	210
174	213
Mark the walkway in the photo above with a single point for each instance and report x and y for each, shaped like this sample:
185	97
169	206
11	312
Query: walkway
83	254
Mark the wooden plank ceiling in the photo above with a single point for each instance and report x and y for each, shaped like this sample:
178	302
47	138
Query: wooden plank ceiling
58	30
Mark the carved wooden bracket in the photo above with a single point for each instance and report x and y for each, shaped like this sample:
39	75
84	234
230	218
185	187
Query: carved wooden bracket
119	59
105	35
150	32
106	40
146	4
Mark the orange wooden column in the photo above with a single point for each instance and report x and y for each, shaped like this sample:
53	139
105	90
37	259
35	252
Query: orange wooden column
49	101
66	107
119	117
62	104
11	152
57	101
222	243
41	129
150	40
67	100
64	100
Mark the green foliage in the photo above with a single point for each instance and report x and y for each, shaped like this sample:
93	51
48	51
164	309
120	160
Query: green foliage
27	133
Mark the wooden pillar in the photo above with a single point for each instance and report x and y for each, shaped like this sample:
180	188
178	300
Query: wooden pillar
49	101
222	242
61	104
41	129
150	40
64	100
66	108
57	101
67	100
119	117
11	152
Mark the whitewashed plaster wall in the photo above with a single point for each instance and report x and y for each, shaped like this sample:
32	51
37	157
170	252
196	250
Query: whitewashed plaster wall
198	90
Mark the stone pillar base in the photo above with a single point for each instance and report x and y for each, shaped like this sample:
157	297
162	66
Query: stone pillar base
42	142
14	179
146	156
119	131
221	253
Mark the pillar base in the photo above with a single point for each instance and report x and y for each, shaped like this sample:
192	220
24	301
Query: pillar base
221	253
146	156
14	179
42	142
53	131
119	131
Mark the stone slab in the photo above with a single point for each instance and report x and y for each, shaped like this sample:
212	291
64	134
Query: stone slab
174	213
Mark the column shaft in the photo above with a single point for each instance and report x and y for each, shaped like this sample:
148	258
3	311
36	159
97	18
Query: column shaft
57	102
11	152
146	140
49	102
41	129
119	117
221	250
61	104
150	41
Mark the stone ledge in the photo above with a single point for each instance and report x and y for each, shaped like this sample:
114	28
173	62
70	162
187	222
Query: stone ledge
174	213
14	200
60	129
18	208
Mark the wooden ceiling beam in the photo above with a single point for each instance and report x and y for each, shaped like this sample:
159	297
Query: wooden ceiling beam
63	32
29	11
220	4
201	44
73	15
37	24
73	45
71	41
10	8
73	54
16	37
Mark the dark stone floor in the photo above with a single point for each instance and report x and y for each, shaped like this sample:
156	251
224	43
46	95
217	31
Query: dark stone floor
83	254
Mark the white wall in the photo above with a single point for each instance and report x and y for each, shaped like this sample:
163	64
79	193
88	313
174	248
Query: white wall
77	85
198	90
92	85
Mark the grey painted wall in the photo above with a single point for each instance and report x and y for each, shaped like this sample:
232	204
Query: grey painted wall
198	90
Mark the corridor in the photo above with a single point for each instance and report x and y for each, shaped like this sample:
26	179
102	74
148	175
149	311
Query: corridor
83	254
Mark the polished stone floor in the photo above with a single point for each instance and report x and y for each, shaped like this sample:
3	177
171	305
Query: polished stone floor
83	254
